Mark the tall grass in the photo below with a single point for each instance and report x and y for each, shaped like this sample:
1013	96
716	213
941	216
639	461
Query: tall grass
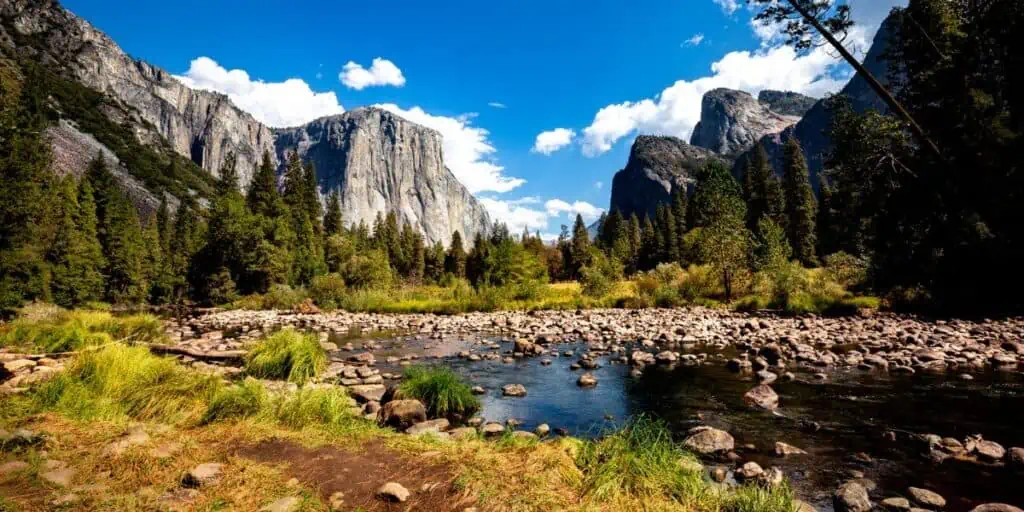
287	355
58	330
120	382
440	389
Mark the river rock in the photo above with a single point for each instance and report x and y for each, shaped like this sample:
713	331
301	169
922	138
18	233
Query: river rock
927	498
203	474
990	450
783	449
707	441
586	380
851	497
402	414
896	503
493	429
513	390
766	377
478	390
996	507
428	427
394	492
542	430
1017	457
749	472
762	396
367	392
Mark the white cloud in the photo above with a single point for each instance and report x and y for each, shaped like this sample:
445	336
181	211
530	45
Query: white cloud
381	72
676	109
521	213
728	6
695	40
279	104
556	207
552	140
496	104
467	151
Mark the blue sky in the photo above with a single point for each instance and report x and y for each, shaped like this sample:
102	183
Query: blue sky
538	101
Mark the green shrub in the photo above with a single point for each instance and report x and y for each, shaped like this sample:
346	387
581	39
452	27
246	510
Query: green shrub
440	389
282	296
600	275
287	355
700	281
661	285
326	406
847	270
328	291
58	330
368	270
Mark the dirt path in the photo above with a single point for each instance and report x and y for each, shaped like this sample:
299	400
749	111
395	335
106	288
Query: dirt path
359	472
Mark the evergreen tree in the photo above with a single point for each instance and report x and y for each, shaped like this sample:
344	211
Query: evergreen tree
311	199
434	262
92	251
476	259
679	207
294	193
76	275
715	194
762	190
155	264
829	235
228	180
660	231
455	259
333	223
580	251
417	259
124	253
263	197
307	261
163	224
185	242
801	208
671	236
634	233
648	258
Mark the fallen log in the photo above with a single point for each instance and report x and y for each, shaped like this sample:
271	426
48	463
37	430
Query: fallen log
214	355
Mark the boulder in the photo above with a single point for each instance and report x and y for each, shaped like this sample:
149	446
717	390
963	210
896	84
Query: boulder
783	450
586	380
427	427
393	492
929	499
990	450
762	396
368	392
707	441
899	504
996	507
513	390
749	472
402	414
493	429
851	497
203	474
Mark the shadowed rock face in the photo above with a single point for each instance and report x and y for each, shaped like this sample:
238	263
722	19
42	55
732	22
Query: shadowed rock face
732	121
202	125
656	167
786	103
379	162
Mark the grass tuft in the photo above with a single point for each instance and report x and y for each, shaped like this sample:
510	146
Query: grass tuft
440	389
243	400
287	355
58	330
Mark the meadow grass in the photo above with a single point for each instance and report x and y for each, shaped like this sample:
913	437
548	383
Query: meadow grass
287	355
51	329
440	389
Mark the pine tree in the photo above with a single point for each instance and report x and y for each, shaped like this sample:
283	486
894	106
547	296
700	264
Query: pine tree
476	259
75	279
92	251
829	234
634	233
671	248
648	258
228	179
801	208
308	260
163	224
263	197
761	190
154	269
311	198
580	252
455	259
433	262
294	193
124	253
184	244
660	230
679	207
333	223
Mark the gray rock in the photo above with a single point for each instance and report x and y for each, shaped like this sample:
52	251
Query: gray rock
749	471
542	430
896	503
394	492
707	441
996	507
60	476
851	497
1017	456
493	429
783	450
367	392
203	474
732	121
990	450
762	396
427	427
402	414
513	390
927	498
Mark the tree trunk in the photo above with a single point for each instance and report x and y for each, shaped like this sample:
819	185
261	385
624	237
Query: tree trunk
877	86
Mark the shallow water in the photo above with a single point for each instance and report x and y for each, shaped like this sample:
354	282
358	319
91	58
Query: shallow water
853	409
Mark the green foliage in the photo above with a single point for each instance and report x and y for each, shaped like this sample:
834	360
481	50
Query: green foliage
600	275
119	382
320	406
287	355
368	270
700	281
801	206
244	400
440	389
762	190
282	296
770	247
846	269
75	255
59	330
328	291
509	265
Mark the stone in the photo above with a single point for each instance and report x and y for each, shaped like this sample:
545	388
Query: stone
177	499
783	450
60	476
542	430
762	396
336	501
896	503
1017	457
18	365
927	498
134	437
515	390
367	392
493	429
286	504
165	450
732	121
402	414
427	427
719	474
586	380
708	441
990	450
462	433
851	497
203	474
394	492
996	507
749	472
803	506
766	377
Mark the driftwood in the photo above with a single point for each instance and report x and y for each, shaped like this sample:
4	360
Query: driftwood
215	355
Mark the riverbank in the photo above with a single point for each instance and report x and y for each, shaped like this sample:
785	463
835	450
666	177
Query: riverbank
548	354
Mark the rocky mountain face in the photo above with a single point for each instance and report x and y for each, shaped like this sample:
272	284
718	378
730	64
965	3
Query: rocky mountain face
657	166
811	131
786	103
380	162
732	121
202	125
